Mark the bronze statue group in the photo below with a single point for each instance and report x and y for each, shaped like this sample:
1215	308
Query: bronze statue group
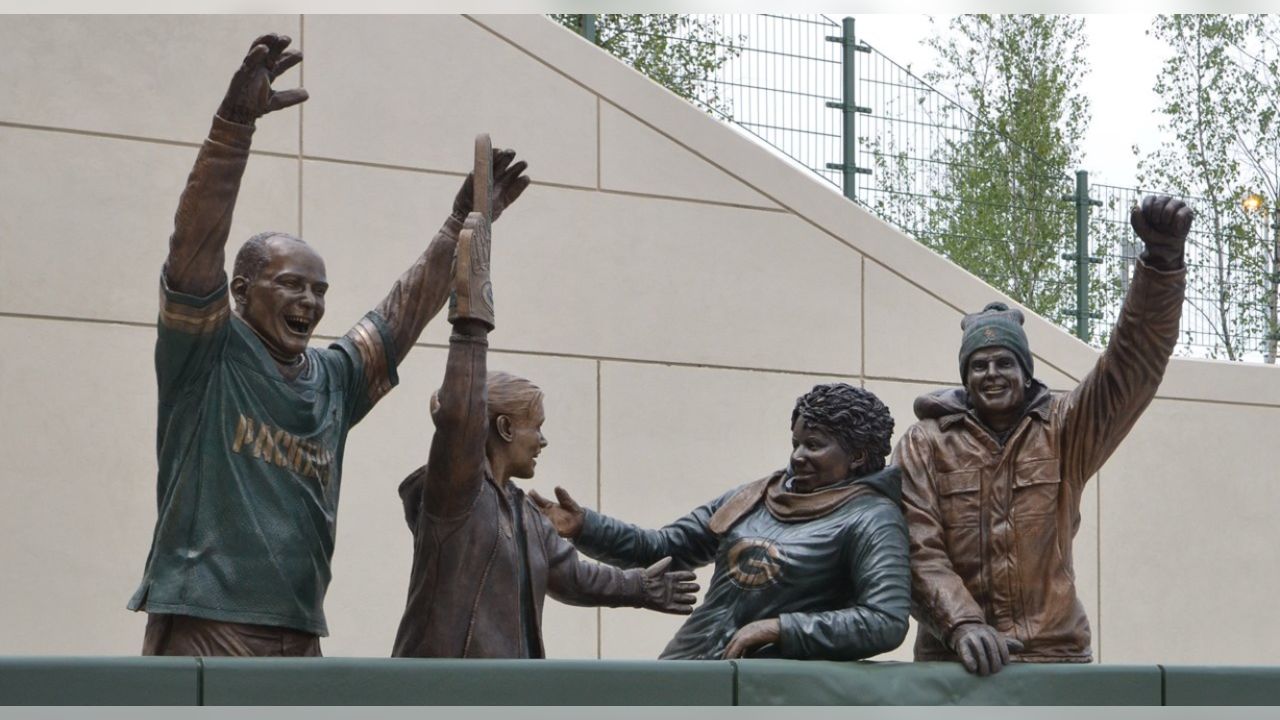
968	526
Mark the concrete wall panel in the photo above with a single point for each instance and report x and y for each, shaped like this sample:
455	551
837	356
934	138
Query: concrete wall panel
85	236
562	253
79	485
418	95
153	76
1189	538
635	157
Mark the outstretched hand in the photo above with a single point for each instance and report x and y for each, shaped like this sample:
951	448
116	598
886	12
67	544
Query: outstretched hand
983	649
669	592
508	183
566	516
1163	223
250	95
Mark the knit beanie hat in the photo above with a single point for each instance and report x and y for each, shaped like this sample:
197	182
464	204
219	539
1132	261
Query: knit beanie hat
996	326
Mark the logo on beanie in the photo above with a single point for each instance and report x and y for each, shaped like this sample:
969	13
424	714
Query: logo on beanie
754	562
989	333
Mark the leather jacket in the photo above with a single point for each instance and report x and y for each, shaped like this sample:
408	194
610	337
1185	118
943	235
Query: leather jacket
836	579
991	526
465	594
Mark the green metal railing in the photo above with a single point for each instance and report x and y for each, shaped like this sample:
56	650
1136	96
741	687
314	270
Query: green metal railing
809	88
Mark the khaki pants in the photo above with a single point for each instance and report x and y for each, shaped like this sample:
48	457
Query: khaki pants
186	635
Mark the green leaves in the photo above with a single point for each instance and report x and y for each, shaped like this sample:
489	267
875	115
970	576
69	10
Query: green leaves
996	210
1220	92
679	52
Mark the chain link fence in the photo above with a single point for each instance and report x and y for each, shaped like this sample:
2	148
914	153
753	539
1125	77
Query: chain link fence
807	87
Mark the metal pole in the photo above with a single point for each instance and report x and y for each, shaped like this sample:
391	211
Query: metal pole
589	28
1082	255
850	130
848	106
1273	337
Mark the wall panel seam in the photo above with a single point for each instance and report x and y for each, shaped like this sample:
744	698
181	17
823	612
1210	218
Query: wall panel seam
863	377
785	207
542	183
133	138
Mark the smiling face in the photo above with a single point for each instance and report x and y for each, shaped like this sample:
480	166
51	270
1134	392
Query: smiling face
817	459
284	301
523	440
997	386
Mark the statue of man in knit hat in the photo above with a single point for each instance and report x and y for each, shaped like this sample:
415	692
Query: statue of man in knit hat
993	472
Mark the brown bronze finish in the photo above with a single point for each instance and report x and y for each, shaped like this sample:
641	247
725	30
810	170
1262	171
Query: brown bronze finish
993	473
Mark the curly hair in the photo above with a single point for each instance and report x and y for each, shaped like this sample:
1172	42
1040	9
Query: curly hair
854	417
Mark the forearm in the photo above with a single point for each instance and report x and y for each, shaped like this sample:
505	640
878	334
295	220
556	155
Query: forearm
456	461
1104	407
202	224
575	582
688	541
848	634
421	291
939	594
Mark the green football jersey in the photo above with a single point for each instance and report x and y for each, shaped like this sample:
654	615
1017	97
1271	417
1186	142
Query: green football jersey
250	465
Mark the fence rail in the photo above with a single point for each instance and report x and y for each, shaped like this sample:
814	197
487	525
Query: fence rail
808	87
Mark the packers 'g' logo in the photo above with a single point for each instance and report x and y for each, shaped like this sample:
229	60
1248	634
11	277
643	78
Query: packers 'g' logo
754	562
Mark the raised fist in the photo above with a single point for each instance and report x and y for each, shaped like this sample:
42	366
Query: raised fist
250	95
1163	223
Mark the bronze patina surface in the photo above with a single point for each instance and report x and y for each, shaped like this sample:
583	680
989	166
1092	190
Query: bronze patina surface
993	473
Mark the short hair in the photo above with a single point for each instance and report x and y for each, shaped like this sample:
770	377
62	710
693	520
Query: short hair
854	416
508	394
254	255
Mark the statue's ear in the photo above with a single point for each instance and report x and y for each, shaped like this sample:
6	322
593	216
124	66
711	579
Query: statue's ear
240	290
503	425
857	461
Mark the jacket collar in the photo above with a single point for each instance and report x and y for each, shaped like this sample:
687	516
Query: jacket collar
950	405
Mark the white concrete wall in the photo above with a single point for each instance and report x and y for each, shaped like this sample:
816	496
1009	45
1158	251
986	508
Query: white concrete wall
671	286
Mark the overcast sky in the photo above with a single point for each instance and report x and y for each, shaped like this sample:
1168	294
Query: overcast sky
1123	62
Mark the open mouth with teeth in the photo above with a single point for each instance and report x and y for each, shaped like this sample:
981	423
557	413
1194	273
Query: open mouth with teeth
298	324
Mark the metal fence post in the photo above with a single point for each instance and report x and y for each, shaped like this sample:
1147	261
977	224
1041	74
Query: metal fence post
1273	299
1081	255
587	25
850	108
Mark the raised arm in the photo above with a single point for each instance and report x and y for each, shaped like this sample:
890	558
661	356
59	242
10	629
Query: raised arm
421	291
1104	407
689	541
197	248
455	465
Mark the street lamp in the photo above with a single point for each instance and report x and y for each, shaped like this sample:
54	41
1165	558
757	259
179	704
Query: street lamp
1256	203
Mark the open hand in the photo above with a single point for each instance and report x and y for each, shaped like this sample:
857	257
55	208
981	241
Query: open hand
566	516
1163	223
250	95
508	183
669	592
751	636
983	649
